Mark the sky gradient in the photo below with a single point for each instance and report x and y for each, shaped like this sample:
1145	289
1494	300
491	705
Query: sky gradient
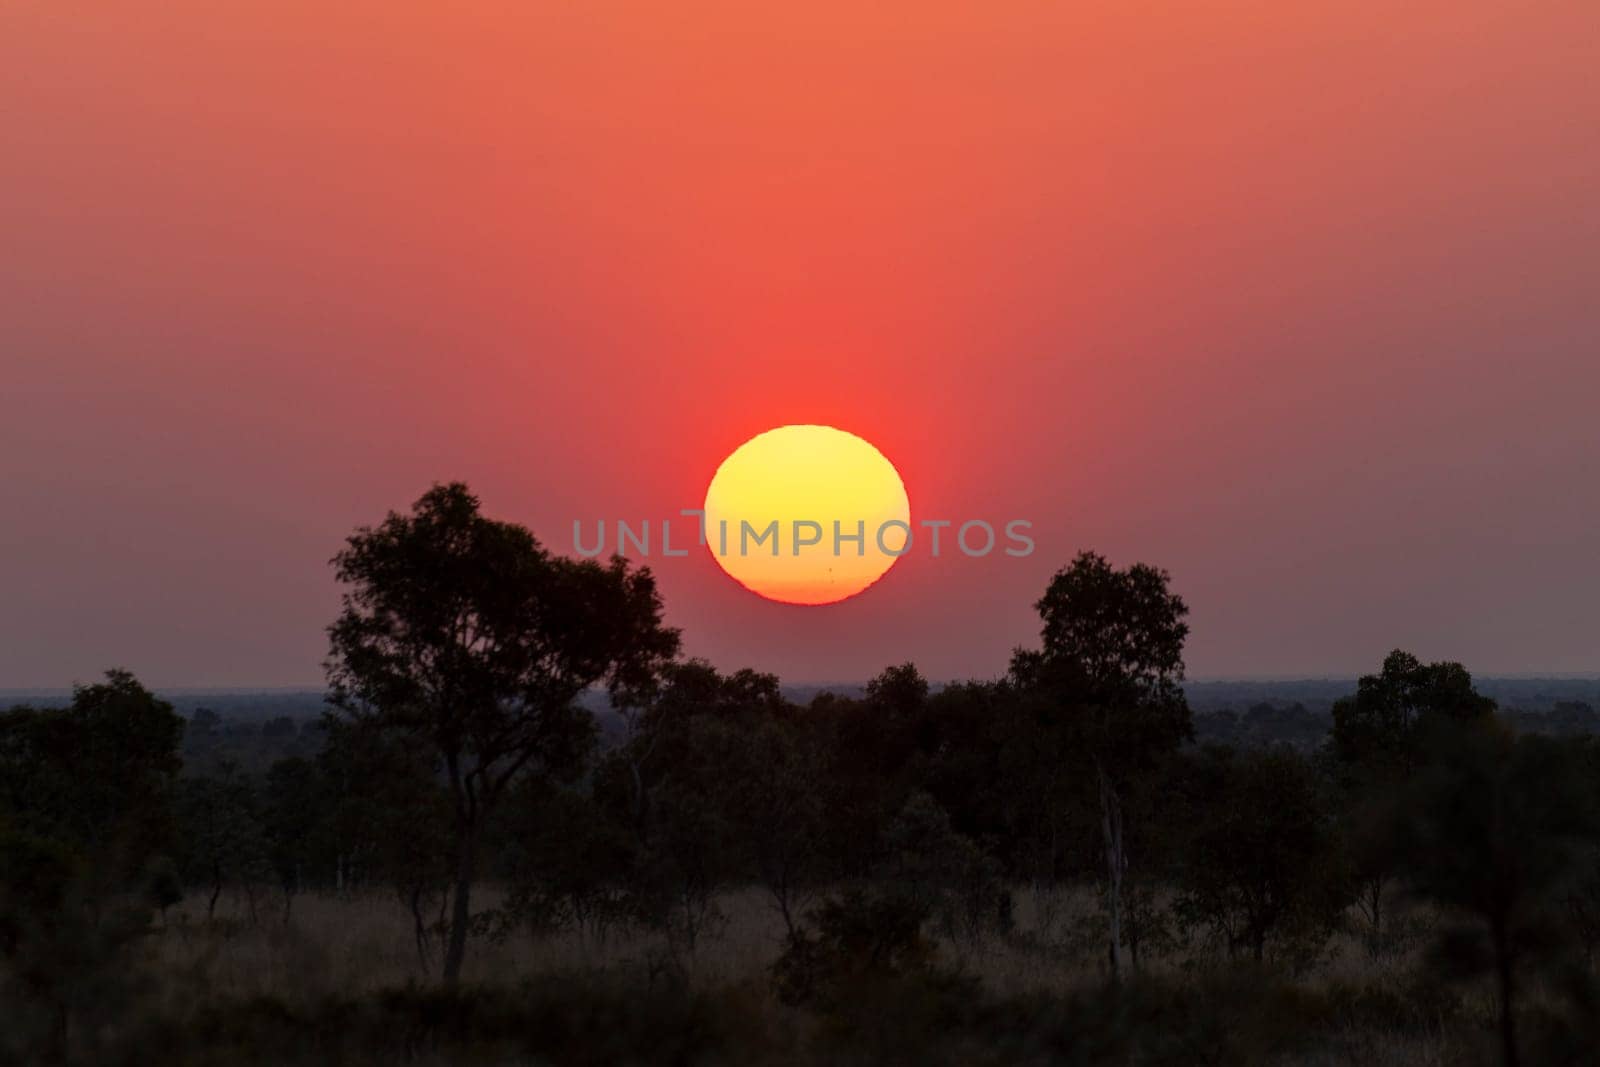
1298	301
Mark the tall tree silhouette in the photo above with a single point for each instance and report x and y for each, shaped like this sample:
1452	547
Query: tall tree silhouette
97	774
1384	722
1378	737
465	634
1109	672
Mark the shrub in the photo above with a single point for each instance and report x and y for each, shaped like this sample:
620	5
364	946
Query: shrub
860	938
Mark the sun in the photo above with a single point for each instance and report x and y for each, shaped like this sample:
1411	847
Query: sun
806	515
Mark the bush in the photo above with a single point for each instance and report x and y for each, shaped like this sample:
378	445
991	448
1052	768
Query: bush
861	938
961	886
162	884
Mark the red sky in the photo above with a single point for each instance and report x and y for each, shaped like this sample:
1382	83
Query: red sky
1295	300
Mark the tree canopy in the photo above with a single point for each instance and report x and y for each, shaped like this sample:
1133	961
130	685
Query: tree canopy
466	634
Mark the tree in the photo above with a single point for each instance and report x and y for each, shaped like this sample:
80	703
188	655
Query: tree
85	803
464	634
1378	740
671	781
945	872
898	698
869	747
957	758
163	884
771	789
64	948
294	807
1110	670
567	863
657	720
1495	831
1386	719
689	853
390	820
1258	862
1040	804
1581	901
223	840
96	775
862	940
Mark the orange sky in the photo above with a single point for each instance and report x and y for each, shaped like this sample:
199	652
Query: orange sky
1296	300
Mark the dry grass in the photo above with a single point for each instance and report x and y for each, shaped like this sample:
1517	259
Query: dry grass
362	942
349	945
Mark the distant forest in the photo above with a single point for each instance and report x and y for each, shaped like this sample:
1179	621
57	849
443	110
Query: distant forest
253	728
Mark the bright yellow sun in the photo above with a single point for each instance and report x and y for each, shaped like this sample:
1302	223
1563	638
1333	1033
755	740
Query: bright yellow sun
806	515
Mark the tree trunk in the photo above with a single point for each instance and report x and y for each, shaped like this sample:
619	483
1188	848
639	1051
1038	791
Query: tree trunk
216	891
638	799
1116	863
1370	901
778	886
1505	981
59	1035
461	914
419	928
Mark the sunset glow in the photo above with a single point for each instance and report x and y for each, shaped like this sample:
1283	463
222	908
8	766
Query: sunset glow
1266	293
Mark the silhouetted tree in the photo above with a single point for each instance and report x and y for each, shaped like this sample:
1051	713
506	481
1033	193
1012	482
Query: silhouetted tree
222	838
870	749
96	775
943	871
862	940
1109	670
464	633
1258	861
1494	831
1377	738
1042	806
1386	719
689	837
162	884
85	803
771	789
389	820
957	756
898	697
567	862
62	949
295	807
657	719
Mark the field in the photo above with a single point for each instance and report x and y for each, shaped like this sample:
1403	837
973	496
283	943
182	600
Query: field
295	989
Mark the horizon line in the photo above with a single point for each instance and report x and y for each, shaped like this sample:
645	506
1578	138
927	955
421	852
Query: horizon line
1210	679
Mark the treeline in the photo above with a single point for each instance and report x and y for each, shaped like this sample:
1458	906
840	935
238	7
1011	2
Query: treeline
457	753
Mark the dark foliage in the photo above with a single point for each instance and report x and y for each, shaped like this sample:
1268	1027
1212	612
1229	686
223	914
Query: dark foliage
889	827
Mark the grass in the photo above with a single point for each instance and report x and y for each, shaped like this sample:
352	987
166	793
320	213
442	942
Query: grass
1363	1010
